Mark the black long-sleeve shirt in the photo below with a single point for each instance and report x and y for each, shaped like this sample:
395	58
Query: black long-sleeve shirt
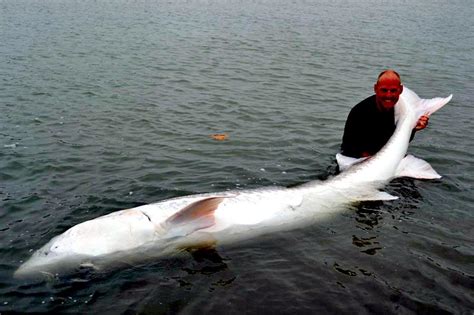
367	129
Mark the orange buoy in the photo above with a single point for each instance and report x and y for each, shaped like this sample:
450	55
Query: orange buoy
219	136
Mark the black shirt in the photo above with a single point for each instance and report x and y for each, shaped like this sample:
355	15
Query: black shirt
367	128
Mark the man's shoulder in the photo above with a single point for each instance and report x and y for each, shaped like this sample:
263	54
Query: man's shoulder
368	102
366	105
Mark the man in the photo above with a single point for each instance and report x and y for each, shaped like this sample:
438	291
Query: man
371	123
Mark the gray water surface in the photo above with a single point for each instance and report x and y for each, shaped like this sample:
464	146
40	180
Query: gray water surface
106	105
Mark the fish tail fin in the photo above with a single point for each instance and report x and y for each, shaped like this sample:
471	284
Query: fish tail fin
414	167
429	106
423	106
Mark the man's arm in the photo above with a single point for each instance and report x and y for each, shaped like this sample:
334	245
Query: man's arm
352	138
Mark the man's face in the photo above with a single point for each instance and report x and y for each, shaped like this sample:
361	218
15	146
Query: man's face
387	92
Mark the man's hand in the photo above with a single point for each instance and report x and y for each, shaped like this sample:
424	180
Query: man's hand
422	122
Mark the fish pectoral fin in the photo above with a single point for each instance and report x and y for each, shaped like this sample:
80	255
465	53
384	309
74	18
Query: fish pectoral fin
375	195
414	167
344	162
89	265
196	216
48	275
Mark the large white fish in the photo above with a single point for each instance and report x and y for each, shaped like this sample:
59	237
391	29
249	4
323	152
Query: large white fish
217	218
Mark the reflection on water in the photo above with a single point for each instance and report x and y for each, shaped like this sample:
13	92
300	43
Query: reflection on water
367	242
370	216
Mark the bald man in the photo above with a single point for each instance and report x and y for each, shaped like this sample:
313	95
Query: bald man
371	123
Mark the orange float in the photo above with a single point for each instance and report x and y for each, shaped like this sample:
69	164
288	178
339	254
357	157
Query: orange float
219	136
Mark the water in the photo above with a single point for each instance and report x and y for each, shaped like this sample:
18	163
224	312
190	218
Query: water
106	105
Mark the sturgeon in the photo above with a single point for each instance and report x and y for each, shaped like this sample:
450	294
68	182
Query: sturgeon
166	227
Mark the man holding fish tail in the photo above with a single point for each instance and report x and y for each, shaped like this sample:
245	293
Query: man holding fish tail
371	123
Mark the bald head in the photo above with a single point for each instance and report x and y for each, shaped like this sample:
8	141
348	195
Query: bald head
387	89
389	75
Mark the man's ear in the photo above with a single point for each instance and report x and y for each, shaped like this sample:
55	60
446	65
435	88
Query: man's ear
401	88
375	88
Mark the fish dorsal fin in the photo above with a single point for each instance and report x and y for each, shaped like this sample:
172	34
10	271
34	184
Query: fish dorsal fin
198	215
414	167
